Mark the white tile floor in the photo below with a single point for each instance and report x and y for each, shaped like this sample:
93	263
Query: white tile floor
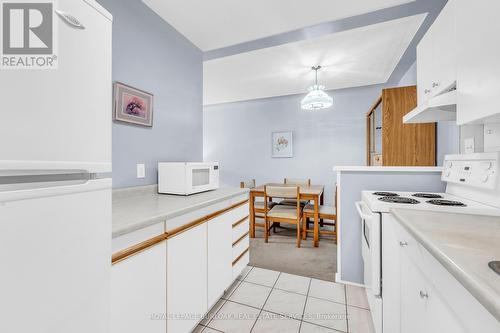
267	301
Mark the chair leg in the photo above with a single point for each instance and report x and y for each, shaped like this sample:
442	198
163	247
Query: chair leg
304	226
266	230
299	227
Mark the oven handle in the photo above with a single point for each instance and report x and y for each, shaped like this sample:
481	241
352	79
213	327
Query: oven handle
360	210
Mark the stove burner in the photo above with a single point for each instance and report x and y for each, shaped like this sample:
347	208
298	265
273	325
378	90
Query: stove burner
386	194
428	196
401	200
446	203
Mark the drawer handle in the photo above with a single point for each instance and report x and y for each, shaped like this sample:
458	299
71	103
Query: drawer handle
423	294
427	91
403	244
434	84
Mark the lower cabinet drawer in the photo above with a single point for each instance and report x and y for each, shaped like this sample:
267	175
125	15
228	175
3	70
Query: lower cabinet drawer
241	246
240	229
240	265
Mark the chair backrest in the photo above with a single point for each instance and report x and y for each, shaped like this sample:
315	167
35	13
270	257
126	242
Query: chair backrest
299	182
248	184
285	192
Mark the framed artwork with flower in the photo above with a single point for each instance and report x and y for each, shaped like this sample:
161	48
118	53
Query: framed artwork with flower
133	105
282	144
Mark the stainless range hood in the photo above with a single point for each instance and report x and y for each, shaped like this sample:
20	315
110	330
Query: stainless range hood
442	107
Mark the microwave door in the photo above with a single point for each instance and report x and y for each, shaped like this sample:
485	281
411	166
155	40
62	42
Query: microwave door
199	178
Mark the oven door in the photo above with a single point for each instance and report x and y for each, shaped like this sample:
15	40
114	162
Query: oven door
371	249
202	177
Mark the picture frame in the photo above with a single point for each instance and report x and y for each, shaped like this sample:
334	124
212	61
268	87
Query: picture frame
132	105
282	144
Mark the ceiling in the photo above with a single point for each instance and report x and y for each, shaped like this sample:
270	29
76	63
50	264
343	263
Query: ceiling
358	57
213	24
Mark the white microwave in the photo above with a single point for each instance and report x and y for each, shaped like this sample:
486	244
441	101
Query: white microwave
185	178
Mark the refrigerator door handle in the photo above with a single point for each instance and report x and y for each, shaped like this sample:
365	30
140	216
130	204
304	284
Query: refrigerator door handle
32	193
70	19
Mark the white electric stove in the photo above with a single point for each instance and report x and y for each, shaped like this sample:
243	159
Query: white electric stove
472	187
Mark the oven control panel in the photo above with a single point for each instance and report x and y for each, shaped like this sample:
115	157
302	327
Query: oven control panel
476	170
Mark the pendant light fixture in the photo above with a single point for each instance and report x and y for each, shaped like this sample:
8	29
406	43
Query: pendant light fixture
316	99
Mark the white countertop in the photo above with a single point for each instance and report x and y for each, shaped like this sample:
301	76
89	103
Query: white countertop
135	208
464	245
361	168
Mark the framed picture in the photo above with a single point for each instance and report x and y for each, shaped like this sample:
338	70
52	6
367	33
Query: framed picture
282	144
133	105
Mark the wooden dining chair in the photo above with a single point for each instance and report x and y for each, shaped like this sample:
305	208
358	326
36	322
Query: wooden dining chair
298	182
325	213
283	213
259	207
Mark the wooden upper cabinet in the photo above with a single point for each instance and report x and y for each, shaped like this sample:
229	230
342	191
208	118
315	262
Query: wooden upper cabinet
402	144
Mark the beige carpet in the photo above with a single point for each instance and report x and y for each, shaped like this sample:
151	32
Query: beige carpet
281	254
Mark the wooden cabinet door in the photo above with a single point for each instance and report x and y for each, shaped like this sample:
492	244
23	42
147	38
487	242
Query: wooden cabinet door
220	235
478	55
405	144
413	303
186	279
138	292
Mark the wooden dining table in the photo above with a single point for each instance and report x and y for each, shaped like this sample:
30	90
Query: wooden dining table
312	193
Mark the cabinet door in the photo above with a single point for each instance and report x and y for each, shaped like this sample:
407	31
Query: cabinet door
444	50
440	317
478	55
391	268
186	279
425	68
220	232
413	303
138	292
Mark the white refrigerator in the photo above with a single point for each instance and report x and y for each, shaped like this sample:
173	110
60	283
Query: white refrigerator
55	205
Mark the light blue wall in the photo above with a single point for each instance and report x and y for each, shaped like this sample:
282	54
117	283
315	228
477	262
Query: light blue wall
238	135
351	185
151	55
410	77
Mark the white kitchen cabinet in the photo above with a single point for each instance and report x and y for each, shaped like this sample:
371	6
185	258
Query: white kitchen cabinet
436	56
186	279
478	77
413	300
422	308
138	292
419	294
220	238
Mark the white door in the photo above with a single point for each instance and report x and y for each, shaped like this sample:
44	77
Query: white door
61	118
220	232
414	291
444	39
478	27
186	279
55	252
425	68
139	292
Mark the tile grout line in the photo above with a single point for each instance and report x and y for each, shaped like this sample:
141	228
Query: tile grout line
265	302
305	304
